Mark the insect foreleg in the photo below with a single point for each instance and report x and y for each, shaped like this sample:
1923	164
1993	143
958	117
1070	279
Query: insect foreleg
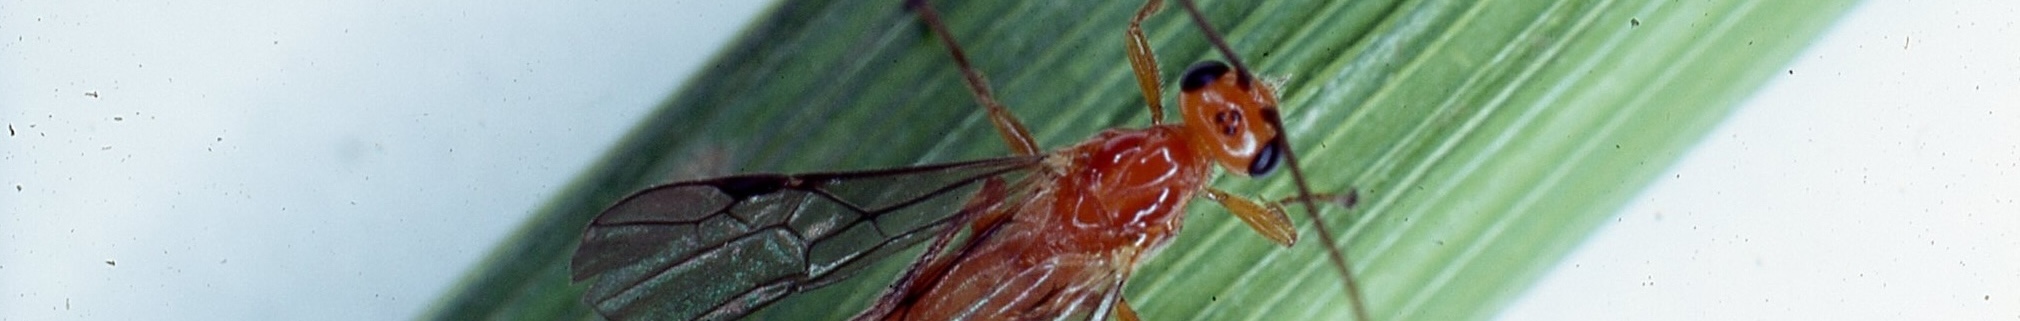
1143	62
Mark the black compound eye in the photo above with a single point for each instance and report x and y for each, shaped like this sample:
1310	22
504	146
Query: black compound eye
1200	74
1267	159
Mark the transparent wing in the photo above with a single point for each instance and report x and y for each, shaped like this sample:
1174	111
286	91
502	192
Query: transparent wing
719	248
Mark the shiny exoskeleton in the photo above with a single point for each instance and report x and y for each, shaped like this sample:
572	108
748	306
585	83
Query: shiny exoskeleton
1098	210
1034	236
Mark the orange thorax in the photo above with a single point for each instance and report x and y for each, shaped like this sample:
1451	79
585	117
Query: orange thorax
1125	190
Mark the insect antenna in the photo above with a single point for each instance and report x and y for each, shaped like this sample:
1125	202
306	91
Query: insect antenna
1241	71
1338	256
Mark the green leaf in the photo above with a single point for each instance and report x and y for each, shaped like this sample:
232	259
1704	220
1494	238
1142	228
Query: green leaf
1487	138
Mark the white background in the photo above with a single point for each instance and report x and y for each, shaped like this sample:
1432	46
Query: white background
1877	178
341	160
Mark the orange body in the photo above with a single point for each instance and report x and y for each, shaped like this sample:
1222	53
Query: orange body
1057	245
1097	210
1065	250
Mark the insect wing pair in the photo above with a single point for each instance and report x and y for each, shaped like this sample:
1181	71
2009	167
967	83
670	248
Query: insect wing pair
717	249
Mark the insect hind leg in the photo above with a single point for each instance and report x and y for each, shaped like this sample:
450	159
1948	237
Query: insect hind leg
1007	125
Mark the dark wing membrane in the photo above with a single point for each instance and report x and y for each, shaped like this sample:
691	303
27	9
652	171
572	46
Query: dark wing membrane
720	248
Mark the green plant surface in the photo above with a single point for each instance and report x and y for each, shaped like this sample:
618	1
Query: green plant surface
1486	138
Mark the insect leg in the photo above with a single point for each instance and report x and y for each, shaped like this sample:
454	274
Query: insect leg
1267	219
1339	257
1346	200
1123	312
1013	131
934	261
1144	62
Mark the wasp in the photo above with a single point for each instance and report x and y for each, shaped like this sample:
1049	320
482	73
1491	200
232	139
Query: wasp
1035	235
